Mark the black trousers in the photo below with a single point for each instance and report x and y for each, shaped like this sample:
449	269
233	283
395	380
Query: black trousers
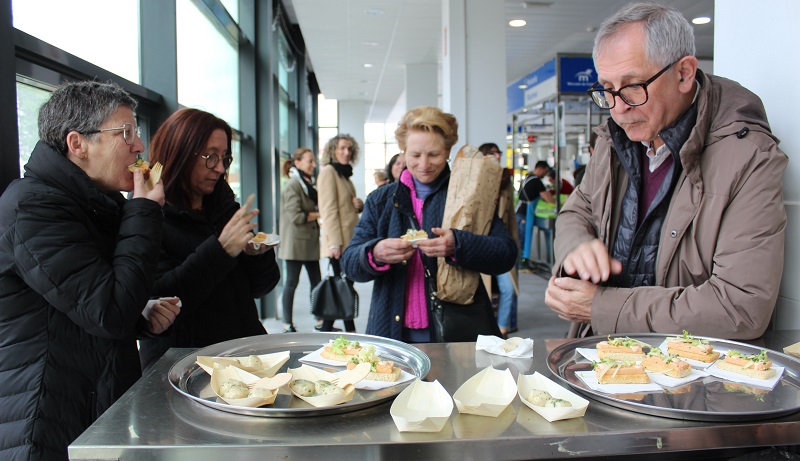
293	269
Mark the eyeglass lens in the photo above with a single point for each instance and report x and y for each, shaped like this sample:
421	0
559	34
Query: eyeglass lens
213	159
129	131
634	95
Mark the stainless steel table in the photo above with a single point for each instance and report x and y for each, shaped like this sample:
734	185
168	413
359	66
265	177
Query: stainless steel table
154	422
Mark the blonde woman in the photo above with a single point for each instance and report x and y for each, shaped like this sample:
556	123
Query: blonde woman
338	205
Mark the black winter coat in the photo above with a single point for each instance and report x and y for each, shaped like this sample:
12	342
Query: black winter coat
386	215
76	269
216	290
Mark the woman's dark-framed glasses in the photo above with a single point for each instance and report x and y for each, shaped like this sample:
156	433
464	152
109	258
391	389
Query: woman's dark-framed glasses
212	160
634	94
129	132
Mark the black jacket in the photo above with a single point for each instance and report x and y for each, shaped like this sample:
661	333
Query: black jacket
216	290
387	214
76	269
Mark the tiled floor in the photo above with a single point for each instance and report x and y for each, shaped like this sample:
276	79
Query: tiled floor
534	319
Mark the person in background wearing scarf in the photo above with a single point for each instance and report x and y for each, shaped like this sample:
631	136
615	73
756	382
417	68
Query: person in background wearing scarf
338	205
299	229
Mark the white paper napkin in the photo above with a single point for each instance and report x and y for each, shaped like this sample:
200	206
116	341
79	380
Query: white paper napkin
152	302
589	354
739	378
590	379
692	362
669	381
316	357
494	345
373	385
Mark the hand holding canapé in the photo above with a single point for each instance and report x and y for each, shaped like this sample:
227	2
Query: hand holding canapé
239	229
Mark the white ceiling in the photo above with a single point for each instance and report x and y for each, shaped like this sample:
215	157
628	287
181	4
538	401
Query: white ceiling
343	35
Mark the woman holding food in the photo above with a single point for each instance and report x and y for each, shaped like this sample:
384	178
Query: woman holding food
207	258
298	228
377	252
338	205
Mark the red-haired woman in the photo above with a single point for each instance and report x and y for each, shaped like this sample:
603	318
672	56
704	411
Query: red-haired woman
206	259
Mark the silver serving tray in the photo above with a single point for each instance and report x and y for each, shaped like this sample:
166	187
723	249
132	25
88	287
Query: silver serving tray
707	399
190	380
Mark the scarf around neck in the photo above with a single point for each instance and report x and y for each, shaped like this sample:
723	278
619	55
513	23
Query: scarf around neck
344	171
305	182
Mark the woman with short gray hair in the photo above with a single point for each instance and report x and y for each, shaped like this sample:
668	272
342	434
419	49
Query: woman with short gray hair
77	263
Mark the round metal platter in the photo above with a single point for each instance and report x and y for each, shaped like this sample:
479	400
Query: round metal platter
190	380
706	399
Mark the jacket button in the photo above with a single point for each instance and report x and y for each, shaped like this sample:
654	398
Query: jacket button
396	318
396	204
673	233
404	262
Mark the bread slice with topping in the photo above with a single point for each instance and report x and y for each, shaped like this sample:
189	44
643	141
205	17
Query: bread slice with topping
610	371
621	349
755	366
689	347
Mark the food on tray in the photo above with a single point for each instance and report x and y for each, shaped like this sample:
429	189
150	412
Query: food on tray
260	238
542	398
670	365
308	388
233	389
254	362
755	366
610	371
341	349
621	349
381	370
139	164
412	234
260	392
689	347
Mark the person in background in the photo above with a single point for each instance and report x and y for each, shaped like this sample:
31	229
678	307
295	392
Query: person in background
77	265
207	258
581	169
566	187
679	222
399	308
507	282
338	205
380	178
531	191
299	229
395	166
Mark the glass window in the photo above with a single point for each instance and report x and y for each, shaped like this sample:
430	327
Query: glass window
324	135
29	99
208	65
112	41
233	8
283	121
328	115
234	172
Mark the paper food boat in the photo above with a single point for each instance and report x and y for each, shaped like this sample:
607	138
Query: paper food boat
270	363
422	407
346	380
527	383
487	393
220	375
793	350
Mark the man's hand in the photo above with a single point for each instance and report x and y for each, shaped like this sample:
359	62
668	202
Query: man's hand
162	315
442	246
591	261
392	251
570	298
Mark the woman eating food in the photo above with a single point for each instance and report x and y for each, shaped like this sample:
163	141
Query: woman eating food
207	257
417	200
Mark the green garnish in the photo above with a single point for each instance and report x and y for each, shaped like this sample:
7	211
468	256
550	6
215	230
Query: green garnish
614	363
760	357
687	338
339	344
624	342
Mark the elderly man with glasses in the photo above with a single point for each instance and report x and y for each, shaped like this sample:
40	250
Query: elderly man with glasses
679	221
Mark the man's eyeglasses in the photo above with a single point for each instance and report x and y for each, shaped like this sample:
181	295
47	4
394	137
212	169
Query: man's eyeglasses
634	94
213	159
129	132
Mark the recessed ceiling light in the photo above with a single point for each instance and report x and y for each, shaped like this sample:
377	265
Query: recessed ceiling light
517	22
369	43
701	20
367	65
522	86
374	11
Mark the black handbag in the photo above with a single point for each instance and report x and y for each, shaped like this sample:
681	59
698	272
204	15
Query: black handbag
451	323
334	298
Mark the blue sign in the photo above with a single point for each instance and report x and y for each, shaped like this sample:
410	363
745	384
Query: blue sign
515	96
577	74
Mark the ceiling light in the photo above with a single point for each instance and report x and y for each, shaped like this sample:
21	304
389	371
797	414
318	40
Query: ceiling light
701	20
374	11
367	65
517	22
522	86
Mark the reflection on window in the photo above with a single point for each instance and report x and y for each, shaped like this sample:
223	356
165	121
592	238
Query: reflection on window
380	146
29	100
235	171
208	65
101	32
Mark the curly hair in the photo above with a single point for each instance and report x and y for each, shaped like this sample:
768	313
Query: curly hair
329	153
430	119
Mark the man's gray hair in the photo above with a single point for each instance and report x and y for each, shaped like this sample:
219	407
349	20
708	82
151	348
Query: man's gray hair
668	35
81	107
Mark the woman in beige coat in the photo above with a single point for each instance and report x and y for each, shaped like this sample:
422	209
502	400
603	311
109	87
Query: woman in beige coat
338	205
299	228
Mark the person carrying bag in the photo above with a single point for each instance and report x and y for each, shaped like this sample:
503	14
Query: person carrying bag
334	297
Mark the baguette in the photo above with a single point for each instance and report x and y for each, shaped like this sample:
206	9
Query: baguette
688	347
341	349
610	371
620	349
670	365
755	366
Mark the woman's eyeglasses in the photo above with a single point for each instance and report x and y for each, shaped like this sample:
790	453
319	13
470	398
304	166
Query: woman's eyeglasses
212	160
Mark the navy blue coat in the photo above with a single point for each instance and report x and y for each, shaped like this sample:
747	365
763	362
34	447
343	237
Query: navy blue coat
388	214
